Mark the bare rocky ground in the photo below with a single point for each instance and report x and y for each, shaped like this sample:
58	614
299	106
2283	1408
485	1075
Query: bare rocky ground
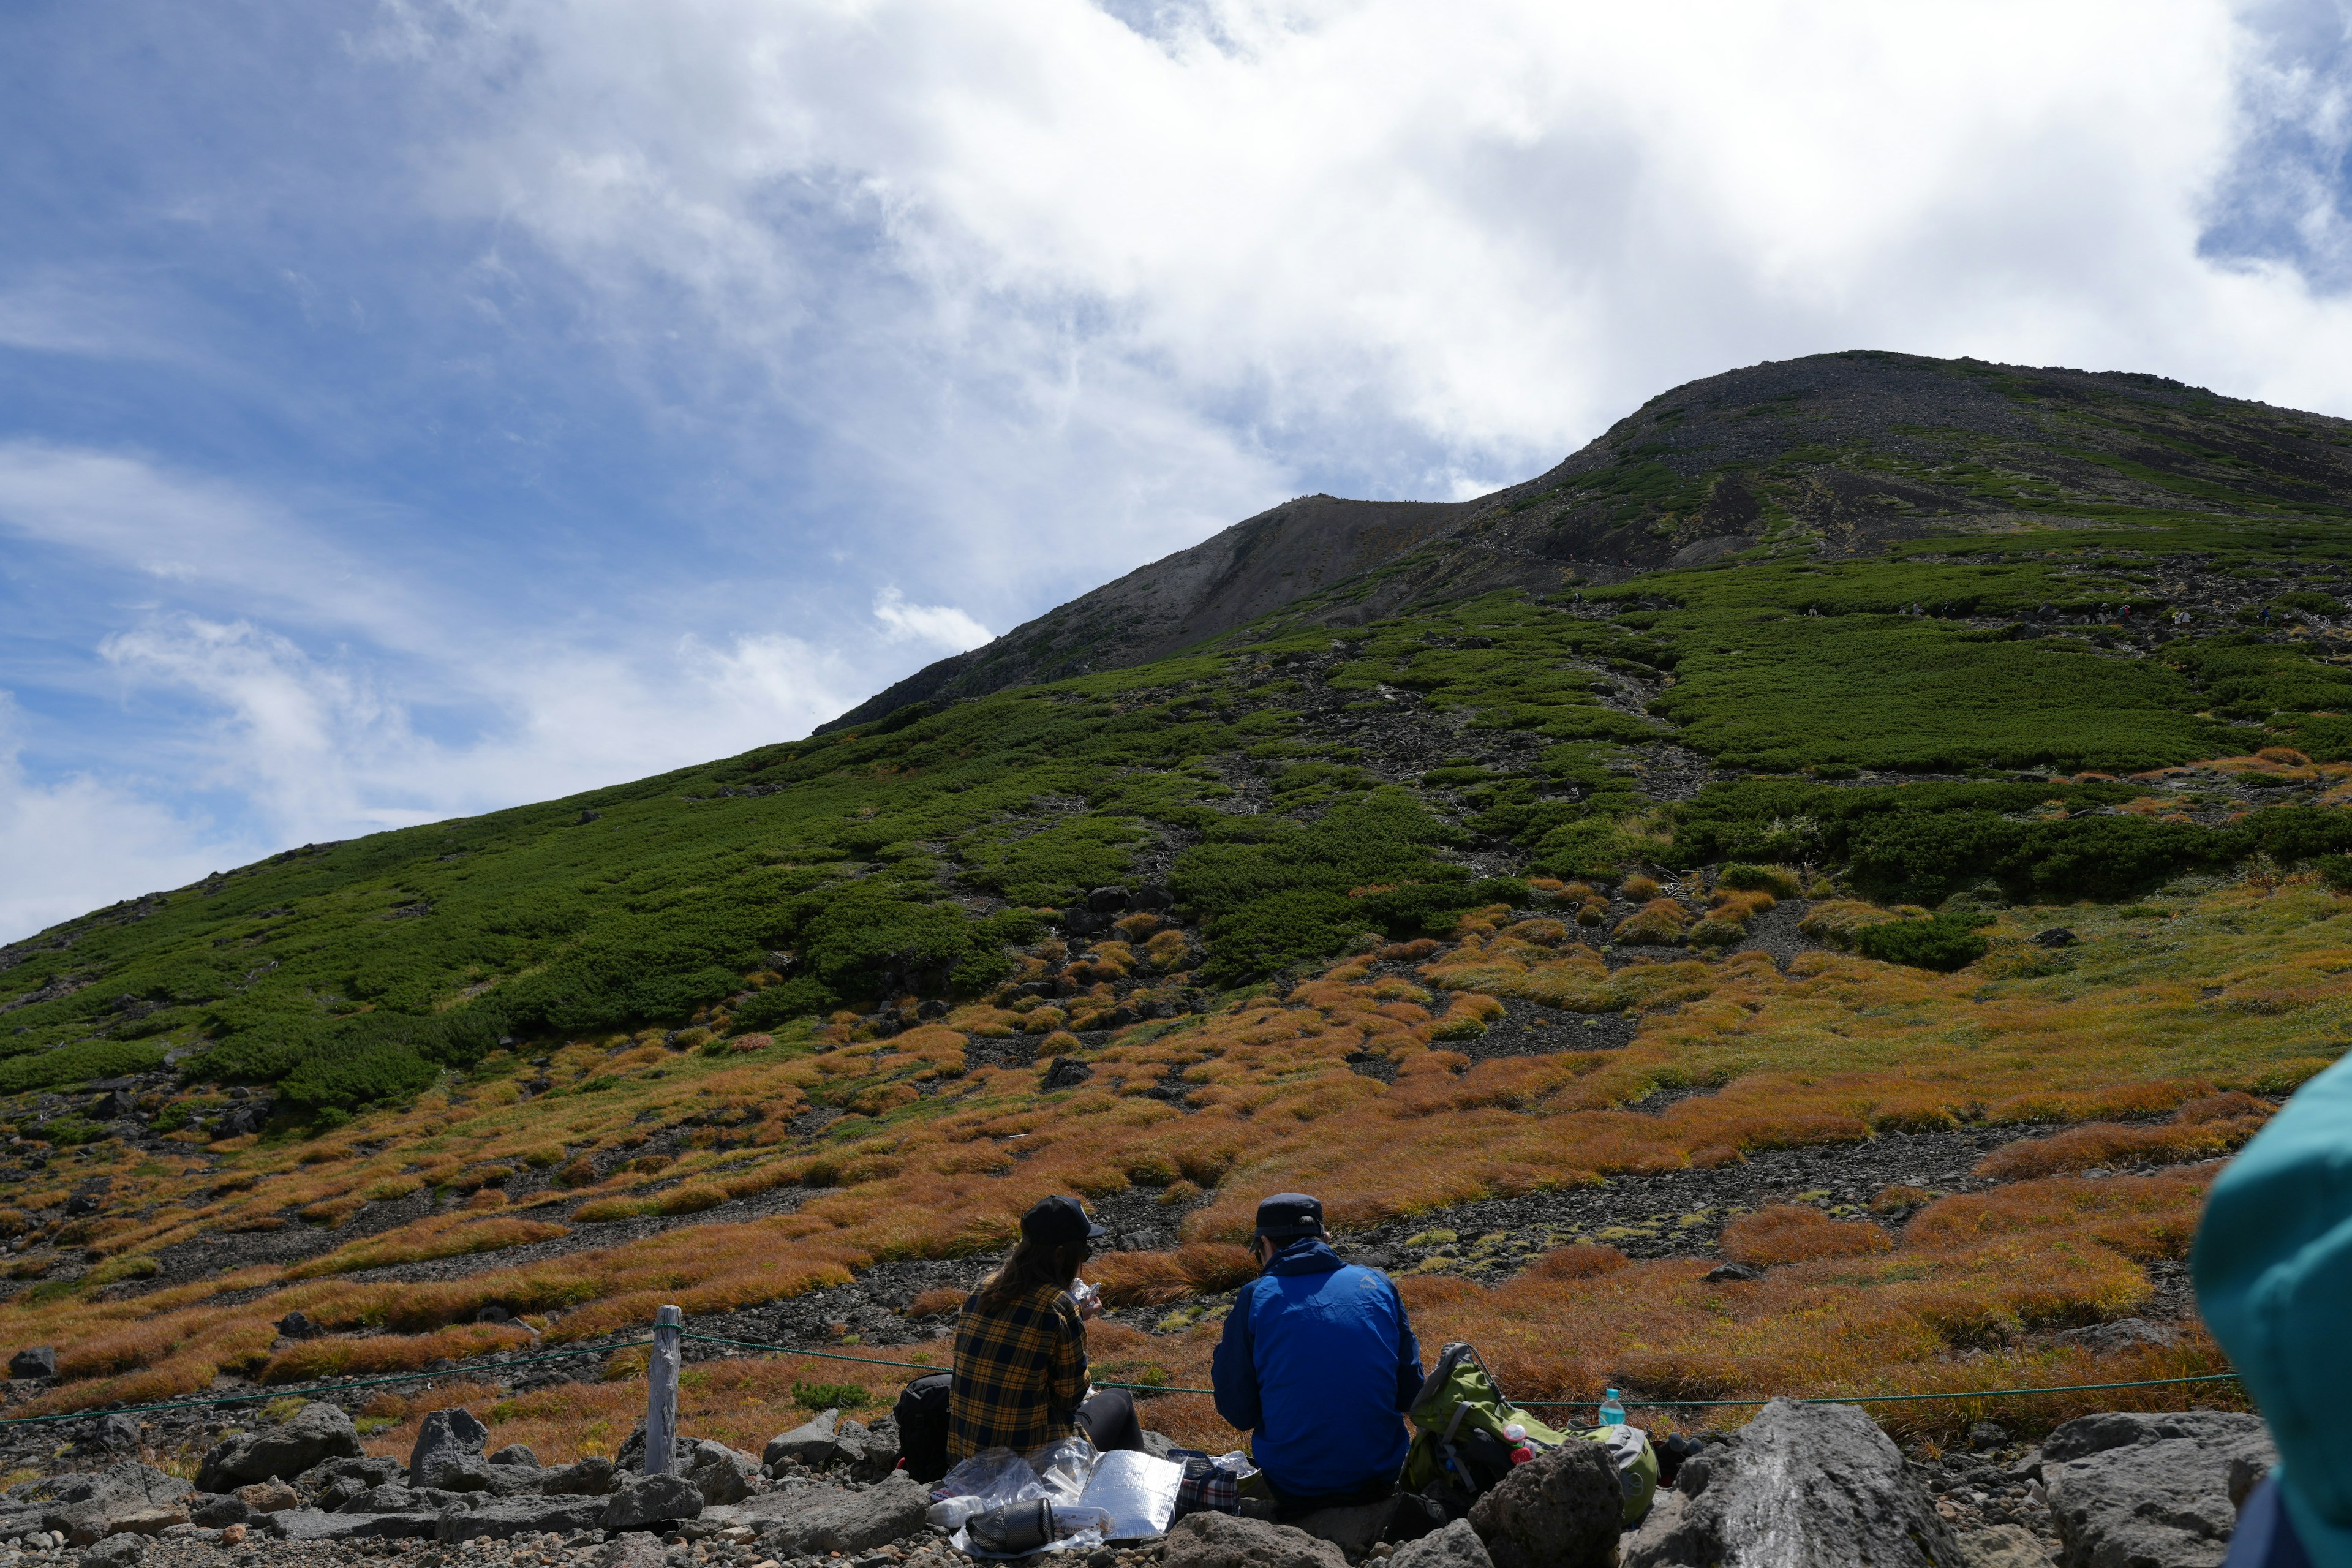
2122	1487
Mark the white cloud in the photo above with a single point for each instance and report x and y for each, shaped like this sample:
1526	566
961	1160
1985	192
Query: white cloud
323	753
940	626
76	843
1486	229
197	534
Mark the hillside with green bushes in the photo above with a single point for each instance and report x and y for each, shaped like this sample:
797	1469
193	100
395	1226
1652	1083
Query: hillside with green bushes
1958	716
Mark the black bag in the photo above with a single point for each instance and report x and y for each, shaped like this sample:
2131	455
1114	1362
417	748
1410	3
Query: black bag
922	1417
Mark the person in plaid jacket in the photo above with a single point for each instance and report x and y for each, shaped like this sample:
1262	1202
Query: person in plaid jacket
1020	1348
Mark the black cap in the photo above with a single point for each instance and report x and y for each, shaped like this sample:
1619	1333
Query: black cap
1287	1217
1058	1221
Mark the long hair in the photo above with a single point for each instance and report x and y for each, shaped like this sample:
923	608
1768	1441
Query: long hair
1029	1265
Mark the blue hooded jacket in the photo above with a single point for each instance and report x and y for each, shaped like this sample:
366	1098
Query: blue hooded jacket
2274	1270
1319	1361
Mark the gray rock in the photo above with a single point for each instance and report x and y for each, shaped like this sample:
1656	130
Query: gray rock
720	1473
214	1512
516	1454
270	1496
448	1453
2129	1490
650	1501
2123	1334
1560	1510
1159	1444
392	1498
34	1361
810	1443
871	1452
318	1431
2003	1546
118	1551
1729	1273
354	1474
821	1519
452	1472
502	1518
512	1480
1802	1486
1225	1541
308	1524
140	1499
1351	1530
115	1434
592	1477
1455	1546
630	1552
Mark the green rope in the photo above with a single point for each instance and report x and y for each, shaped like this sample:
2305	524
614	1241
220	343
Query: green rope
828	1355
93	1412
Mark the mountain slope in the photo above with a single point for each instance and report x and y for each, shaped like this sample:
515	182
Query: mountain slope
1844	452
1256	565
1962	821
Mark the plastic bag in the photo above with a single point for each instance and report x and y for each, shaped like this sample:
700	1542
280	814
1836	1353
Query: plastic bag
994	1477
1075	1529
1137	1491
1065	1467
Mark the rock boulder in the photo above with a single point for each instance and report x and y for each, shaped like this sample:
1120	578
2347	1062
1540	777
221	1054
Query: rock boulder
1560	1510
448	1453
651	1500
2130	1488
316	1432
821	1520
810	1443
502	1518
1226	1541
720	1473
134	1498
304	1525
1817	1485
1455	1546
592	1477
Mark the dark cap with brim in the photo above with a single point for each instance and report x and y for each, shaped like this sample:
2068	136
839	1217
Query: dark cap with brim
1287	1217
1058	1221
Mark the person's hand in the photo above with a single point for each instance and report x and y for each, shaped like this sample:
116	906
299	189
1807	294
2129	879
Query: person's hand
1090	1308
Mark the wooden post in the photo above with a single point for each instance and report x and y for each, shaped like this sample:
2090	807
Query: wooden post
661	1392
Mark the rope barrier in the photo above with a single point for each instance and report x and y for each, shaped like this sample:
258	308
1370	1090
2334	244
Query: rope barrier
94	1412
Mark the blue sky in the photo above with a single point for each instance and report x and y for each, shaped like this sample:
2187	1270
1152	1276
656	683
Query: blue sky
412	408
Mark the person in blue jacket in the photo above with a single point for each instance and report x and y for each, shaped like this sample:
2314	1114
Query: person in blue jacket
2272	1265
1320	1362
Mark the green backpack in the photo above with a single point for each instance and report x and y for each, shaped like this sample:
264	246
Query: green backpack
1459	1451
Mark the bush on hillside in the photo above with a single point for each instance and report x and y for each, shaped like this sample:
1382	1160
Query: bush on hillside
1939	942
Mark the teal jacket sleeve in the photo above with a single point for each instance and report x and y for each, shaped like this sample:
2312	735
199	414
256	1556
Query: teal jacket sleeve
2272	1265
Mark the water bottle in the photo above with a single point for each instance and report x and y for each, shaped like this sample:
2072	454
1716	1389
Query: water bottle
1612	1408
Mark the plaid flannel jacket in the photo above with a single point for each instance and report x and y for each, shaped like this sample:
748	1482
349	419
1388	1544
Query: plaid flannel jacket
1019	1374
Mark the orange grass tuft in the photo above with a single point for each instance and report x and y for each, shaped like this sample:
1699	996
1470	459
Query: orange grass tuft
1791	1233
